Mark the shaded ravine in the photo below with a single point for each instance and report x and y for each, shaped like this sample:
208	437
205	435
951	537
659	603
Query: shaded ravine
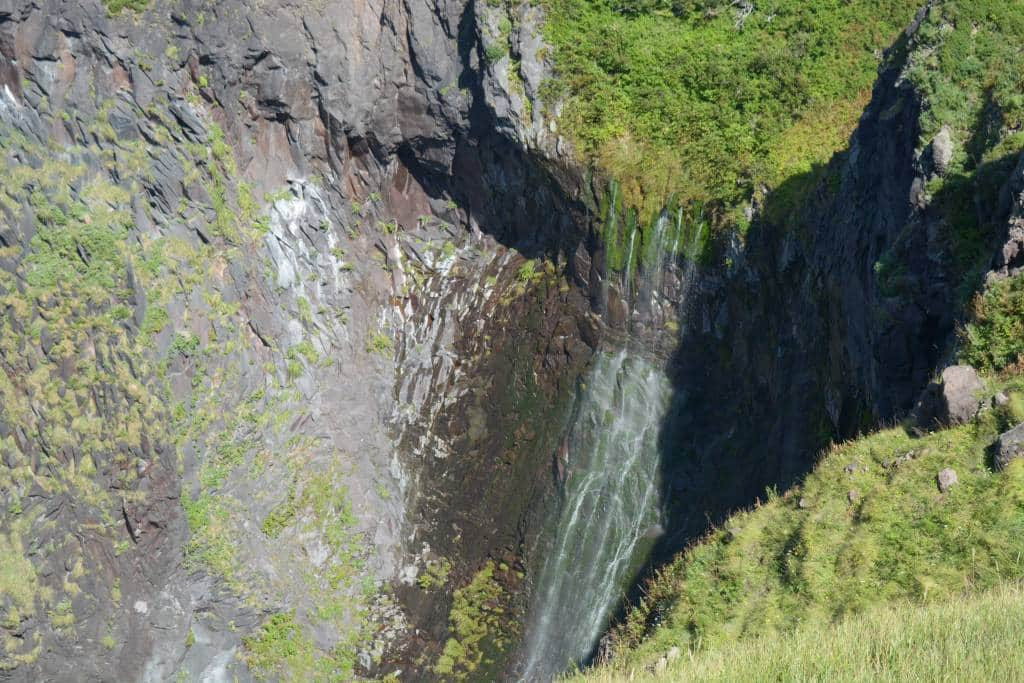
610	517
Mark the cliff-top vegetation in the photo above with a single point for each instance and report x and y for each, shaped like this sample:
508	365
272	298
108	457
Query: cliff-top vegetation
720	101
714	99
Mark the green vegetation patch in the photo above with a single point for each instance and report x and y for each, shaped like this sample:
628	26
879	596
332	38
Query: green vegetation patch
868	527
281	647
380	344
968	69
711	99
974	639
18	582
477	624
995	336
435	574
115	7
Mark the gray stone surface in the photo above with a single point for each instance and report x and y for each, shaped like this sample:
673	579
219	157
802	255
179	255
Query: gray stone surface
955	399
947	479
388	202
1009	446
942	150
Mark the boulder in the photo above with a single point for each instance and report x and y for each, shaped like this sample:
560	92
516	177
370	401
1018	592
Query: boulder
942	151
947	479
954	400
1009	446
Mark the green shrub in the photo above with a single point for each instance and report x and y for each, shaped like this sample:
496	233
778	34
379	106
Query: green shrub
995	336
186	344
115	7
435	575
380	344
280	648
680	96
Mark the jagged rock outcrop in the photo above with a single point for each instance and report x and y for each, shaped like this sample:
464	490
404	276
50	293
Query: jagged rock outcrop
956	399
263	274
1009	447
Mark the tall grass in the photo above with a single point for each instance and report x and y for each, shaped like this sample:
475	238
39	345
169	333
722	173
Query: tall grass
967	639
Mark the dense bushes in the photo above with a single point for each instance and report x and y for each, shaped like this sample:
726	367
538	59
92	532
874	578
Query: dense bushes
708	99
995	336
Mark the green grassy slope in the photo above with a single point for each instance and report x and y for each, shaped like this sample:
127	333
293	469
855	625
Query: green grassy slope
774	568
973	639
686	96
866	530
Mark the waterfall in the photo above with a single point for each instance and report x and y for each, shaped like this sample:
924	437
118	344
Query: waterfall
611	513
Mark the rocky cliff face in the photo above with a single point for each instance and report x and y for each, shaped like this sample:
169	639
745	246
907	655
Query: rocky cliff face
831	317
272	348
296	295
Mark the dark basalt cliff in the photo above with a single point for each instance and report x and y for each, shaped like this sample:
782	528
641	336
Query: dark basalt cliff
295	298
832	316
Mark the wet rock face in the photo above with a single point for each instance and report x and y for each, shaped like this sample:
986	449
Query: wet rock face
265	335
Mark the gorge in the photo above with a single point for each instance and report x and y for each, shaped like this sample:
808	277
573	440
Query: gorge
339	342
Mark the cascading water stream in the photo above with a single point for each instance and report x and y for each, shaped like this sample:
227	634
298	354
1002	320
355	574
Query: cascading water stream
611	509
610	516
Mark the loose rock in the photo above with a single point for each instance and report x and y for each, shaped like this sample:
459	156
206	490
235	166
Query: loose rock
1009	446
942	150
952	401
947	479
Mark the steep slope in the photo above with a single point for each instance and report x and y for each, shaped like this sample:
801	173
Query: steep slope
836	315
300	298
967	639
259	291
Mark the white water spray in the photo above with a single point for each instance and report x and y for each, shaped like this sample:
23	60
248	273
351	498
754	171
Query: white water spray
611	511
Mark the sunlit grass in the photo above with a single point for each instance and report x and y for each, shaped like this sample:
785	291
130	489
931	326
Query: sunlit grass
965	639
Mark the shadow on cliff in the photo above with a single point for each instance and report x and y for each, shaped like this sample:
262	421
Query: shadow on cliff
747	412
503	189
762	377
